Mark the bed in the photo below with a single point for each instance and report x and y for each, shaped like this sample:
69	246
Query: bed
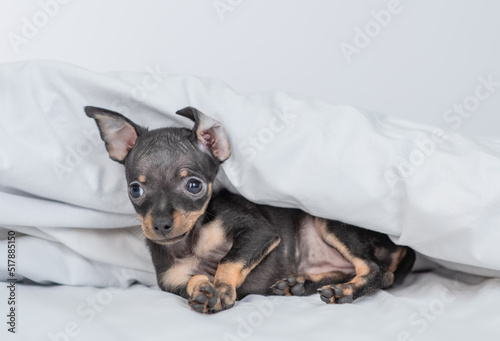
82	270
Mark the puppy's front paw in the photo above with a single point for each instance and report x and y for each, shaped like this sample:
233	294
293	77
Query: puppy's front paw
227	295
292	285
202	295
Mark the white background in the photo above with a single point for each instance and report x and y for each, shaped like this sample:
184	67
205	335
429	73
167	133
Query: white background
428	56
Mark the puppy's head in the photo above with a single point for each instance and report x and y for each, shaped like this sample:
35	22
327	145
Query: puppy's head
169	171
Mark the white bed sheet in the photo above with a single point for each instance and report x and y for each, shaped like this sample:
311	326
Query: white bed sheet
432	306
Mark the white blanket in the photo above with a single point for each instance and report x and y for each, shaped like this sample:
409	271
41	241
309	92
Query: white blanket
430	307
435	191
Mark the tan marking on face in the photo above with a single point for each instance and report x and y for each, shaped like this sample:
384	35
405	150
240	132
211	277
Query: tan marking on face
147	225
211	237
180	273
183	221
396	258
141	178
184	173
194	282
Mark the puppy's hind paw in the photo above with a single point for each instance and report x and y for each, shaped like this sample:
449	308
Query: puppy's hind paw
290	286
341	293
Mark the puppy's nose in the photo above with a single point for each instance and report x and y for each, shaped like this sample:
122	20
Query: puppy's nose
162	226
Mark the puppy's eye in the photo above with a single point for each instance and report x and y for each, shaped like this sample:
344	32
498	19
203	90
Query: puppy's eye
194	186
135	190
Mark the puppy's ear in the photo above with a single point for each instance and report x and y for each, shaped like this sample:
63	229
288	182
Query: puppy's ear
209	132
118	132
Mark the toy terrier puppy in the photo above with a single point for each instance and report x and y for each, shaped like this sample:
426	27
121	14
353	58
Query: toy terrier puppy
214	248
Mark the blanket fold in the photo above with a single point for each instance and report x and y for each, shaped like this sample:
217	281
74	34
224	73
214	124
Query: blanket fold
431	189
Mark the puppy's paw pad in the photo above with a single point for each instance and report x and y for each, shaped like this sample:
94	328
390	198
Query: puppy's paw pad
204	298
341	293
290	286
227	296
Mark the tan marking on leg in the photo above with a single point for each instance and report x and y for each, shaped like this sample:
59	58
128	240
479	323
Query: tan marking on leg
387	279
211	237
247	270
396	258
141	178
361	267
235	273
194	282
332	240
230	273
180	273
230	276
362	270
